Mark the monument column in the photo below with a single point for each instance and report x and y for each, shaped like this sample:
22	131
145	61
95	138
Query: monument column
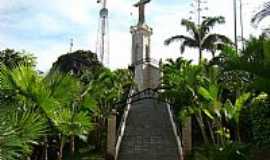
141	49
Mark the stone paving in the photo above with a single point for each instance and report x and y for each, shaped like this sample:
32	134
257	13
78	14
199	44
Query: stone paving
148	134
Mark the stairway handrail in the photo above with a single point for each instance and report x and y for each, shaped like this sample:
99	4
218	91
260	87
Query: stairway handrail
122	126
175	131
146	60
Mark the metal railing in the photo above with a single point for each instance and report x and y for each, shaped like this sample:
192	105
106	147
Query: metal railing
146	60
145	94
122	125
176	131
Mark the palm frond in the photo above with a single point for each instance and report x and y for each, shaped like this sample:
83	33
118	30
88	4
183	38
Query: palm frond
215	42
188	43
24	81
186	39
258	17
18	132
59	83
191	28
215	38
209	22
72	123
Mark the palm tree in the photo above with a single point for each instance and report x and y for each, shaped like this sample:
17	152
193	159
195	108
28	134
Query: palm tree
22	123
263	13
67	113
72	118
201	37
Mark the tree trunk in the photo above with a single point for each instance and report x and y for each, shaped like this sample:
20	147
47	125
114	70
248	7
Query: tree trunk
62	143
187	136
220	127
200	55
72	146
211	132
213	54
238	133
45	148
202	127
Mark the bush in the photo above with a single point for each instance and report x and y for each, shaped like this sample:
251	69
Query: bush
260	119
230	151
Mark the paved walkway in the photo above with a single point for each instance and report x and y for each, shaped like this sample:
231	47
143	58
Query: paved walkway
148	134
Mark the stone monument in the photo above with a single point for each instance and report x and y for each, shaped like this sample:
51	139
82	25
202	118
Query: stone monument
146	69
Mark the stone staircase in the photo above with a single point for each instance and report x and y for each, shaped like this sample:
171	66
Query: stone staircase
148	134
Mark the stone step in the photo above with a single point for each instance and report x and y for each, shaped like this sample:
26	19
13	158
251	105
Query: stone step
148	134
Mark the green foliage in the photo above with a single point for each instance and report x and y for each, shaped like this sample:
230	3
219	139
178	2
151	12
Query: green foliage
231	111
260	118
70	123
50	99
18	132
82	64
11	58
212	96
180	82
230	151
109	88
254	60
58	83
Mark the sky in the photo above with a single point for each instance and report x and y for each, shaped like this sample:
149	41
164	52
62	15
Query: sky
45	27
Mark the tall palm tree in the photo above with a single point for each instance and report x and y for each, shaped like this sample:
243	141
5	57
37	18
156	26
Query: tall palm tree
263	13
201	37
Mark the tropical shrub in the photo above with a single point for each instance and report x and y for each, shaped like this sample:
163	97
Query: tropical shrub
229	151
19	131
11	58
80	63
260	118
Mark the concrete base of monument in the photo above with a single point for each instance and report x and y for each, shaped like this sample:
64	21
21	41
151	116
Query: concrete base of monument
147	76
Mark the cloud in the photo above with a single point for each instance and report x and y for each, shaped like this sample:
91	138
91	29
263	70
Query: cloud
45	27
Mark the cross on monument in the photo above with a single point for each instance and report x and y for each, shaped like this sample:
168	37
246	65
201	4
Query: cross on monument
141	5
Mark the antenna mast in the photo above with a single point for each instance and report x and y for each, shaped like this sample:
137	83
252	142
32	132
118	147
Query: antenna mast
102	45
71	45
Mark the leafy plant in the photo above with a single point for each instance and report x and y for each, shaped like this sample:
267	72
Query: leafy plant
19	131
260	121
230	151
